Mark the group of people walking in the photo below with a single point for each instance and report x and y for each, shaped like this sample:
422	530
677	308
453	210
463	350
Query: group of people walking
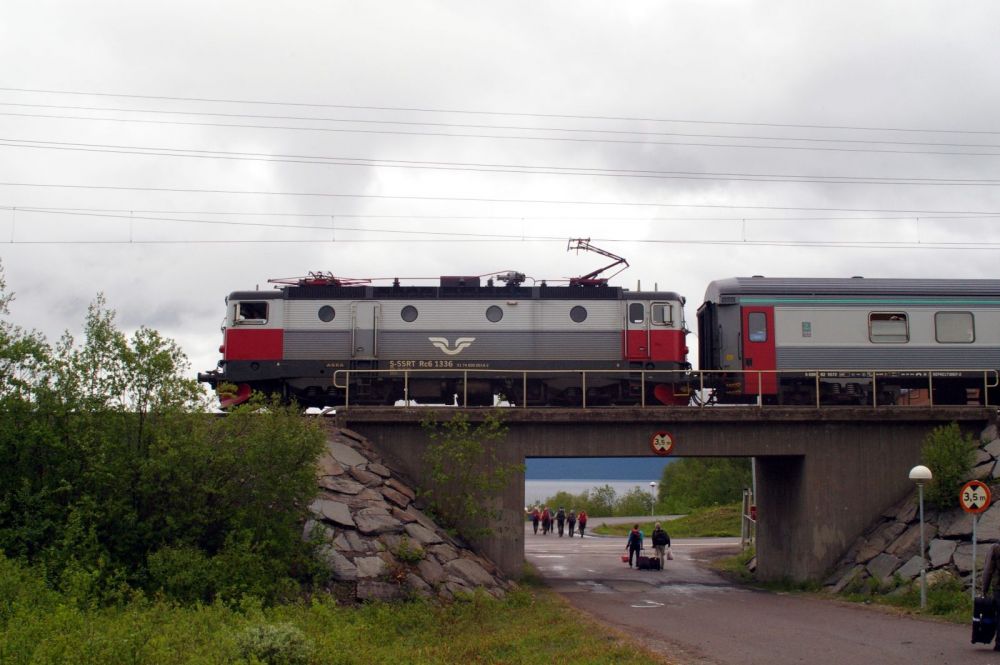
558	520
661	543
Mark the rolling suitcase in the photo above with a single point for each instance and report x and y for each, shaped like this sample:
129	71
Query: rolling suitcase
984	620
648	563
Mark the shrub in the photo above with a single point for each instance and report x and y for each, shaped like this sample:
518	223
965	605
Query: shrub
275	644
949	455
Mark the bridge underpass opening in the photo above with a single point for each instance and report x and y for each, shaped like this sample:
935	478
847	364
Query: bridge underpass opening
620	491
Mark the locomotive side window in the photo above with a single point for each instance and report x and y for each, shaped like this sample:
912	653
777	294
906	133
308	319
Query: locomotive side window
662	314
578	314
888	327
494	313
636	313
251	312
757	326
954	327
326	313
409	314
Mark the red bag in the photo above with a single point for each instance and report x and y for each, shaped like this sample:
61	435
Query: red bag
624	558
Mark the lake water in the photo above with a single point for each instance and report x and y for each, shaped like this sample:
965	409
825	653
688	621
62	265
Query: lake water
536	491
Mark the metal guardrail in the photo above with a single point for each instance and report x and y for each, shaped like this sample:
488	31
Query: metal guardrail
705	382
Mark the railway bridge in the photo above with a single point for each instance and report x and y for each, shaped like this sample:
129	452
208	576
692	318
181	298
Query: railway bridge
823	474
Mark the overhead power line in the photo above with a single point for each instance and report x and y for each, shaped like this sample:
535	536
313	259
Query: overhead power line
473	199
337	215
577	116
524	169
522	137
370	121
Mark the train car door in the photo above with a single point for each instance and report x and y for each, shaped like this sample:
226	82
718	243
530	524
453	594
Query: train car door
758	350
364	329
636	332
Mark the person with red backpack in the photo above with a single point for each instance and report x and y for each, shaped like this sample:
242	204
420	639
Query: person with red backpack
546	521
581	521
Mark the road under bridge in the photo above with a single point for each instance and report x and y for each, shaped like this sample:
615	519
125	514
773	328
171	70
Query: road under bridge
823	475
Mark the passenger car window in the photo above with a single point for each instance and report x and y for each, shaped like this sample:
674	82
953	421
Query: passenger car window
636	313
954	327
251	312
326	313
888	327
757	327
494	313
578	314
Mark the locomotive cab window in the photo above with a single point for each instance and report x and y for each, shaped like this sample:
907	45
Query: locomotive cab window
636	313
251	312
954	327
662	314
888	327
757	326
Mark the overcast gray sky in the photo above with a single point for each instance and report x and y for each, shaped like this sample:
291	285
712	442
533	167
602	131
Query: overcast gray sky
658	129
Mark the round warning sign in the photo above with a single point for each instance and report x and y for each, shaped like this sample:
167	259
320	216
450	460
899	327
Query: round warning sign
662	443
974	497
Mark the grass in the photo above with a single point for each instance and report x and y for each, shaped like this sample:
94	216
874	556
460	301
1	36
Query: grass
947	599
530	625
716	521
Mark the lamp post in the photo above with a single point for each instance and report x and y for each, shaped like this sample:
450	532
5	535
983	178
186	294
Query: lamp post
921	474
652	497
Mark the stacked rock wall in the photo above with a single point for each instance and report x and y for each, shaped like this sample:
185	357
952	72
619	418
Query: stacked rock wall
891	547
373	538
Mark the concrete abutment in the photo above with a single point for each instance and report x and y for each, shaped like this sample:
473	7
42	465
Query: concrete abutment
822	475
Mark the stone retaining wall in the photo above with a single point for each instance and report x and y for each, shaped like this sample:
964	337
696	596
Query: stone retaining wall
374	539
891	547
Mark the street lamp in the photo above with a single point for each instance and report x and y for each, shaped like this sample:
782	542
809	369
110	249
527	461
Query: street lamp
921	474
652	497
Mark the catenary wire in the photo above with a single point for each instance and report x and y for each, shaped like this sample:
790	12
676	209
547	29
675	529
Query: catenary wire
496	113
489	168
525	138
474	199
370	121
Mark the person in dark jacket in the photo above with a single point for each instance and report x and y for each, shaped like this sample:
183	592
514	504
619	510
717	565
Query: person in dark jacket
991	577
634	545
571	520
661	541
561	520
536	516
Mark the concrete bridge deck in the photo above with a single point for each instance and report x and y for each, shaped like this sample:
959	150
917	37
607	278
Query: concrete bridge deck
822	474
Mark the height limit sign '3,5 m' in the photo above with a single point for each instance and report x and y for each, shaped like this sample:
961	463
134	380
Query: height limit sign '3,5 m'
662	443
974	497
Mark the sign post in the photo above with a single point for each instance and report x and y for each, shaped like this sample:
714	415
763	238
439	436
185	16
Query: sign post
975	499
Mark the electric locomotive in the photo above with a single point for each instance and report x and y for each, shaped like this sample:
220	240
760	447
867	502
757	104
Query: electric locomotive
462	341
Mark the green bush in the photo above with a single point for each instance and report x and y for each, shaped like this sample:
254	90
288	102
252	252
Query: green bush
949	455
275	644
114	478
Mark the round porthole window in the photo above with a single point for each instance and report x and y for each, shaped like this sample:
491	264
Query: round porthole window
578	314
326	313
494	313
409	314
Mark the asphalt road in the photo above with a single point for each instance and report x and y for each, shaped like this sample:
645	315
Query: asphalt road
694	616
